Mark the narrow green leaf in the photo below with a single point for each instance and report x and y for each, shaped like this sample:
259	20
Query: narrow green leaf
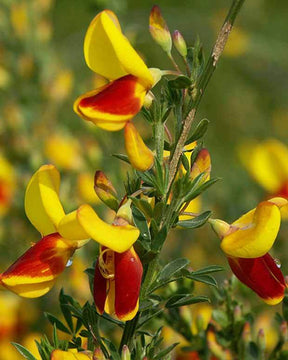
64	300
206	279
208	270
142	205
181	82
185	163
197	190
141	223
112	349
171	268
122	157
165	352
184	299
196	222
285	307
23	351
54	321
199	131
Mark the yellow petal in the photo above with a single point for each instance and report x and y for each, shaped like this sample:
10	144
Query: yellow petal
109	53
268	164
68	355
42	204
70	229
116	238
140	156
254	239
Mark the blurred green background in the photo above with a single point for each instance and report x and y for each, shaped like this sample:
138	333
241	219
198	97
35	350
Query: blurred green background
42	71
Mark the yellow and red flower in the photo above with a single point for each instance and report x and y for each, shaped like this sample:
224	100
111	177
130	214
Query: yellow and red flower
35	272
246	243
108	53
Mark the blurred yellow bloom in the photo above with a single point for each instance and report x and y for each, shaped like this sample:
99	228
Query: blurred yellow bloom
266	321
19	18
60	86
238	43
4	78
9	306
8	351
29	343
63	151
267	162
7	185
71	354
44	30
201	316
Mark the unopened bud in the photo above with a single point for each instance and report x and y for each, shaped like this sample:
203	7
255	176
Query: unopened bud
159	29
237	313
246	334
140	156
125	353
125	213
284	331
220	227
179	43
98	354
105	190
261	340
202	164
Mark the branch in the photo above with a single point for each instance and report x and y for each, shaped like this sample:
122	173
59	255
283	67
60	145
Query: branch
202	84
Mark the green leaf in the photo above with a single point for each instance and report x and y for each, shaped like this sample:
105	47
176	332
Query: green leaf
159	239
141	223
122	157
23	351
285	307
54	321
165	352
167	146
199	131
197	190
142	205
171	268
206	279
184	299
181	82
208	270
64	300
185	163
195	222
112	349
220	317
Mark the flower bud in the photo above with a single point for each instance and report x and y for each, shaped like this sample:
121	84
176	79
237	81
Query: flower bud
98	354
179	43
246	334
124	213
284	331
159	29
237	313
220	227
261	340
125	353
140	156
105	190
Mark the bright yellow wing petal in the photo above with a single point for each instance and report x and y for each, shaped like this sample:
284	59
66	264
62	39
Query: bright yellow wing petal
116	238
42	204
109	53
255	239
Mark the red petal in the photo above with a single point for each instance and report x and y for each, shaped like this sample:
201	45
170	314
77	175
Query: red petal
261	275
99	289
33	274
123	96
128	275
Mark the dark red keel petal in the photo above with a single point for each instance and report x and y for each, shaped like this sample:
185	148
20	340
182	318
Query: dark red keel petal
99	289
128	276
261	275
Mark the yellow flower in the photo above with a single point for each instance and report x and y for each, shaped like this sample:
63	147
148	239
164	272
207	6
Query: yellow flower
7	185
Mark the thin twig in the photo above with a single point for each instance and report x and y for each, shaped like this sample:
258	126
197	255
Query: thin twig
203	81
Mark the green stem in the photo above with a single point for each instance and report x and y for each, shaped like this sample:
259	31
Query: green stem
202	83
159	140
128	333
